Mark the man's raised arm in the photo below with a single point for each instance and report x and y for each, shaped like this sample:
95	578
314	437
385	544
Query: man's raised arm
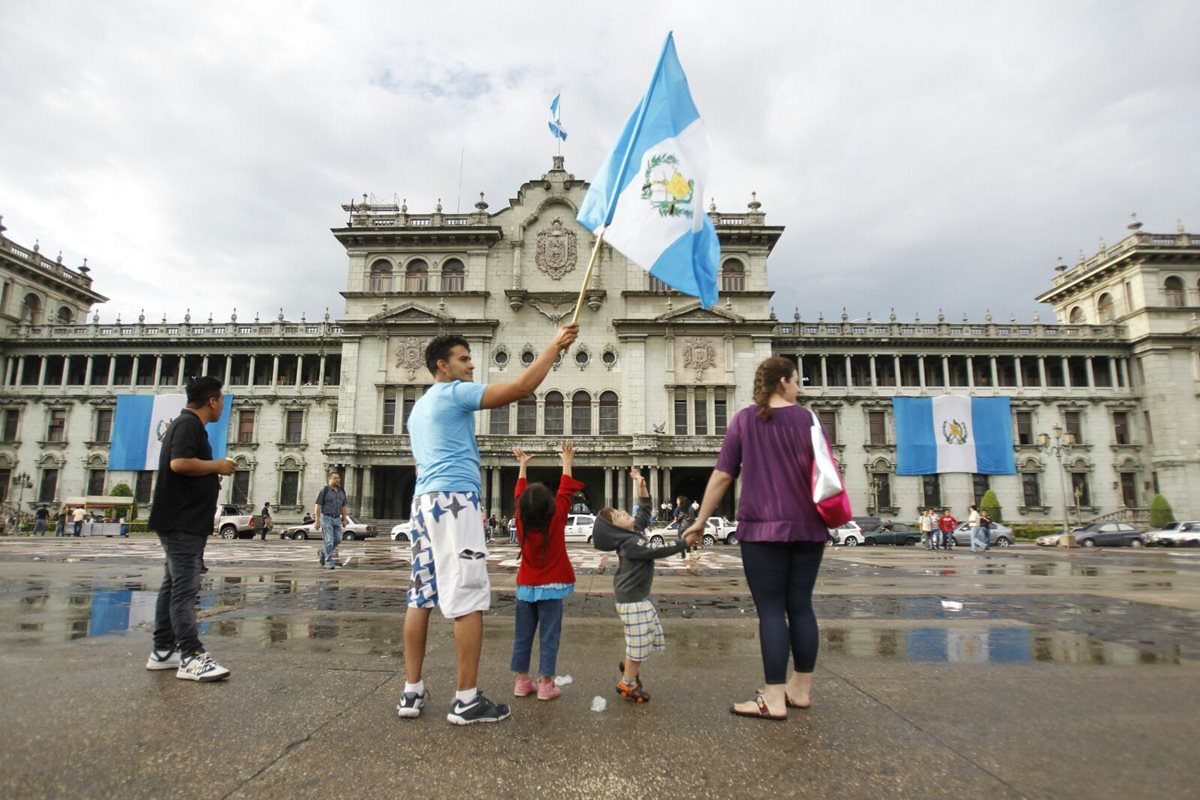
501	394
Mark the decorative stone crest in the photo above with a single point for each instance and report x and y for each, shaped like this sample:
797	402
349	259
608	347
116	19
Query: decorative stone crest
699	355
410	355
556	251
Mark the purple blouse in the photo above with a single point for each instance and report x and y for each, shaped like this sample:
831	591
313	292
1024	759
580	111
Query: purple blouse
775	460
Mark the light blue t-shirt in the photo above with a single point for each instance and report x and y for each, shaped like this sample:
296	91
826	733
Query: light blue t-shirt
442	430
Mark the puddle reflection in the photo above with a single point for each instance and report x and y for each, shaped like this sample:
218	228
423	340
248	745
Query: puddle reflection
995	645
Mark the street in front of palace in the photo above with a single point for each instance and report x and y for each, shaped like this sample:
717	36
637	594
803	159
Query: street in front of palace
1020	673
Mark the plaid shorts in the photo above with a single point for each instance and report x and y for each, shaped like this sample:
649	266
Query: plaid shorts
643	630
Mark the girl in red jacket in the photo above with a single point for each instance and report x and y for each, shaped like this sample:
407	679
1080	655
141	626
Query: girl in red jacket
545	576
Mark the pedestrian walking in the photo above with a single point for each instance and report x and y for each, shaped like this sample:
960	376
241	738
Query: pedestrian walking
973	527
77	518
449	555
985	529
185	495
781	532
946	524
40	518
545	577
617	529
330	509
927	529
267	522
60	523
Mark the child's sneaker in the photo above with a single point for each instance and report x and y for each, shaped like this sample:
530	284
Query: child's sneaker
410	704
547	690
201	667
523	687
479	709
633	693
163	659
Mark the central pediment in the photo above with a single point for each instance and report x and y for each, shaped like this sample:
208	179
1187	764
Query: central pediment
694	313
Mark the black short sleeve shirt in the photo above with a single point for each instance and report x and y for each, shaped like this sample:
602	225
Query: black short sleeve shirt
184	503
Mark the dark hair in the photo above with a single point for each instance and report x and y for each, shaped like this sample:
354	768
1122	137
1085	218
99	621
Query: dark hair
606	514
201	390
766	381
439	349
535	509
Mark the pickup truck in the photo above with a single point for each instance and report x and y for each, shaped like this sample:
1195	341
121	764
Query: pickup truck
230	523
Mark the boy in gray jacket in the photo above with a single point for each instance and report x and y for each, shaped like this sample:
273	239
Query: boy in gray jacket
618	530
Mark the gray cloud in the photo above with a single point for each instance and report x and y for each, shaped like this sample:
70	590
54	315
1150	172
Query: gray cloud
922	155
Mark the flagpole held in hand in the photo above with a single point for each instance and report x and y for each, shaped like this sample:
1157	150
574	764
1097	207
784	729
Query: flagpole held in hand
587	276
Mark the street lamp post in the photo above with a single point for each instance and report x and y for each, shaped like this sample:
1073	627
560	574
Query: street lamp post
1059	444
22	481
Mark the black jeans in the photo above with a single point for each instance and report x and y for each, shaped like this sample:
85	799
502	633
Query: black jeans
175	612
781	576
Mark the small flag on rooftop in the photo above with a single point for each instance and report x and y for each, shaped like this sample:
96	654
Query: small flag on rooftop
555	123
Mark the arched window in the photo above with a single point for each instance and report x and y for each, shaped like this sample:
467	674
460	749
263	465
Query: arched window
610	422
733	276
453	275
1077	316
381	276
31	309
416	276
581	414
1104	308
65	315
553	425
527	416
1173	290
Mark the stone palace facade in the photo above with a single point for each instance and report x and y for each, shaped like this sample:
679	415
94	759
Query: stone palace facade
652	381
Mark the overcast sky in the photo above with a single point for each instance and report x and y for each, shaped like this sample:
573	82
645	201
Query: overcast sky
921	155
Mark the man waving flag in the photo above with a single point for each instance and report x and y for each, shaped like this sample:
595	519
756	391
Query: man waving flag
646	200
556	127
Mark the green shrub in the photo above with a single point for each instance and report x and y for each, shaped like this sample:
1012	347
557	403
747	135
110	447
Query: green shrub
123	490
991	504
1032	530
1160	512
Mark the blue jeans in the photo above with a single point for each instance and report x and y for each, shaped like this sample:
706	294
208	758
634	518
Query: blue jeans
331	534
39	527
545	615
175	611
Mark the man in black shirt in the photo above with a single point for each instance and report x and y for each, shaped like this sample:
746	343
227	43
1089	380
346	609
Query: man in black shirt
185	499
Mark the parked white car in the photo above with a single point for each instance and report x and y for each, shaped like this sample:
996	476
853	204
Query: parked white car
402	532
355	530
849	534
1175	534
579	527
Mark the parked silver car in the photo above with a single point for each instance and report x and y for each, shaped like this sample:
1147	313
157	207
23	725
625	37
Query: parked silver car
1001	535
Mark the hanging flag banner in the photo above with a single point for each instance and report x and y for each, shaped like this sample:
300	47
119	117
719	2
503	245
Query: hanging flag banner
647	198
952	433
141	422
556	127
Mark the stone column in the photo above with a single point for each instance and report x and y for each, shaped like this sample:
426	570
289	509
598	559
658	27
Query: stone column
945	373
1042	370
87	372
299	369
849	374
824	373
995	373
971	372
20	370
112	368
1125	371
896	373
133	372
608	486
874	375
1112	372
1091	372
250	377
654	481
66	371
42	372
158	369
275	371
621	492
666	492
321	377
1017	367
9	369
1066	371
182	365
204	365
228	368
497	504
921	370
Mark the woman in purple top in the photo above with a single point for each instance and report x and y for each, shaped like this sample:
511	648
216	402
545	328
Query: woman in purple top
781	534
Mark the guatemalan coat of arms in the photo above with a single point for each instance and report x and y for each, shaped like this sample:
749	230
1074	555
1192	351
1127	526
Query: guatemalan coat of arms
556	252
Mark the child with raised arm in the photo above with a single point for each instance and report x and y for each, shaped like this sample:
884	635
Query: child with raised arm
545	576
616	529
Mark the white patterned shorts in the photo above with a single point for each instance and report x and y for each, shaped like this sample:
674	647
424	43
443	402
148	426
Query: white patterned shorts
449	557
643	630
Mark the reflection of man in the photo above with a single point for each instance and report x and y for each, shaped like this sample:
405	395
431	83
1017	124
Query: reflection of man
330	509
182	515
449	556
77	520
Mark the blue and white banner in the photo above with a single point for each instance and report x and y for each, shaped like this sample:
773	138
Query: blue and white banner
952	433
141	421
648	195
556	127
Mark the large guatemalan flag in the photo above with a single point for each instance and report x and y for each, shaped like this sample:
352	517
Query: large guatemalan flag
141	422
647	197
954	434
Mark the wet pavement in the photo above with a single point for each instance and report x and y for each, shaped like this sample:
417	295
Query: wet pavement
1020	672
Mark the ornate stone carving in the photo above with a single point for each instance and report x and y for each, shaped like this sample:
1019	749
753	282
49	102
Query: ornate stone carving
410	355
699	355
556	251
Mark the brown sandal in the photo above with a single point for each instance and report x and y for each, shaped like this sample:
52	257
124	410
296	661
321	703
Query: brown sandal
762	712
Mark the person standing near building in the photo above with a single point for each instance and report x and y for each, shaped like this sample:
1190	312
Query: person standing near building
266	520
330	510
182	516
40	518
60	523
77	520
973	526
449	556
926	523
946	524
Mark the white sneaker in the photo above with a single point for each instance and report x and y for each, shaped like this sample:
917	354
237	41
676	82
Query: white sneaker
163	659
201	667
